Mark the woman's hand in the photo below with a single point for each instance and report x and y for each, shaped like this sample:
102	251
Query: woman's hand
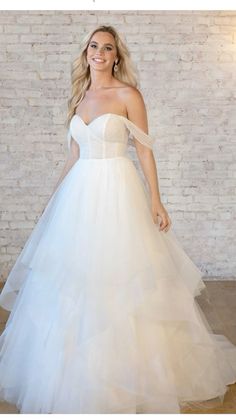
158	210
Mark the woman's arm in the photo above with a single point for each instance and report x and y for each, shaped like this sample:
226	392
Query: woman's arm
138	115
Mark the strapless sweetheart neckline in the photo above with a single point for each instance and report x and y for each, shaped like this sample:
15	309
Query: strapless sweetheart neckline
99	116
134	129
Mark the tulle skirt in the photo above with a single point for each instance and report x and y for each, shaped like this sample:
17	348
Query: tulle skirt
103	316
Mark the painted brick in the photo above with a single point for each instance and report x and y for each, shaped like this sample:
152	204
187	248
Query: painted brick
186	64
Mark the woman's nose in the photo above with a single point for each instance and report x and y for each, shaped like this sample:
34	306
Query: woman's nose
101	49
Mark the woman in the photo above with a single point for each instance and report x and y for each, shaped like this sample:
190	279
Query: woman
103	317
102	91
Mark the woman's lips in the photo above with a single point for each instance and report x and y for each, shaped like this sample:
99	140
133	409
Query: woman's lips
98	60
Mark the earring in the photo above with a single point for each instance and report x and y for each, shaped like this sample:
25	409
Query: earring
116	66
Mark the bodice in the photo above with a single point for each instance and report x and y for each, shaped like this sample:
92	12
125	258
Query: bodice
106	136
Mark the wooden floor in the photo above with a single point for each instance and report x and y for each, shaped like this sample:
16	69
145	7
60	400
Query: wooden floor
218	303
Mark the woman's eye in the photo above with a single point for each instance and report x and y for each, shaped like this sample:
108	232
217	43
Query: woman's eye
108	48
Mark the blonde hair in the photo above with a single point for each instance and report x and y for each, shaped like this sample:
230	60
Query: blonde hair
80	72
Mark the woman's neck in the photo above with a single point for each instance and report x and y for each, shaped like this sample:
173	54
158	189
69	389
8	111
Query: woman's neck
101	82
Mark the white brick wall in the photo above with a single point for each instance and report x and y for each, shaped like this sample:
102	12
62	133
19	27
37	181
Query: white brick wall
187	65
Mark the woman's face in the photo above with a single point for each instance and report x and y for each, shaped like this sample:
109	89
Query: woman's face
101	51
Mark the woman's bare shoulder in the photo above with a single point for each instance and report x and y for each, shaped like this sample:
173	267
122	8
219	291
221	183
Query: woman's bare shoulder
132	95
131	92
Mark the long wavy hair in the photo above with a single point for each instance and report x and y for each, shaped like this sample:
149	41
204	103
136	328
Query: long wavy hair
80	72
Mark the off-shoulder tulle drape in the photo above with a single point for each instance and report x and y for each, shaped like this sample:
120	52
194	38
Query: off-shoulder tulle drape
139	134
134	132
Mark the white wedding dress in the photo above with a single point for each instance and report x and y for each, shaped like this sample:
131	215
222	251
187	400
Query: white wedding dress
103	317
